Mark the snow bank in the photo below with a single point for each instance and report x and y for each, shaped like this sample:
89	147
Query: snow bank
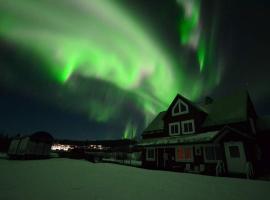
66	179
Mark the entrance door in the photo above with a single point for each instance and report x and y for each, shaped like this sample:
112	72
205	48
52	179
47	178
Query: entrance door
169	157
160	158
235	156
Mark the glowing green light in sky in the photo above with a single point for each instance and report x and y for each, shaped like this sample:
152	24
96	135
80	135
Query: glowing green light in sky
193	35
201	54
97	39
93	39
190	20
130	131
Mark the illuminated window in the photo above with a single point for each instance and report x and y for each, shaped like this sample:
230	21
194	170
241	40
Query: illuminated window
180	153
174	128
184	153
179	108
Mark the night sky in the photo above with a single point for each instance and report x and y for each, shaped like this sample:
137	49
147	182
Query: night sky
91	69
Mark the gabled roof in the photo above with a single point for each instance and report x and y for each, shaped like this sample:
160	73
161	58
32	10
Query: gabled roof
229	109
222	111
179	96
263	123
157	124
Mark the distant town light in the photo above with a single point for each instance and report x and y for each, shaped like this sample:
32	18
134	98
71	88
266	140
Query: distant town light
61	147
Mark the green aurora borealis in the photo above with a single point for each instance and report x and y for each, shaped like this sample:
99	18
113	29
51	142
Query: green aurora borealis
102	41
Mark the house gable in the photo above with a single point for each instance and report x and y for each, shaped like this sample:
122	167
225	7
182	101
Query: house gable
182	117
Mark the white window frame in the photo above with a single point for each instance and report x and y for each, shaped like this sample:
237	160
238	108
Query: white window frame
204	152
178	103
173	124
148	158
187	122
184	160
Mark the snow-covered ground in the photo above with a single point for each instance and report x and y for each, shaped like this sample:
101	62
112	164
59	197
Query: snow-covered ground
66	179
134	163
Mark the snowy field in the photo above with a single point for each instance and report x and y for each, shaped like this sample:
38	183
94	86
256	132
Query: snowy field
66	179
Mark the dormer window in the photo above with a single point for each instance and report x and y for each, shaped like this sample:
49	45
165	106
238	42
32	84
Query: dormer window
179	108
188	126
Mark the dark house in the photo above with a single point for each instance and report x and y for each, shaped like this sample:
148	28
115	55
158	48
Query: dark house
37	145
219	137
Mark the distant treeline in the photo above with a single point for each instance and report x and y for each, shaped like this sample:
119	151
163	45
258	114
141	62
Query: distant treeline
5	140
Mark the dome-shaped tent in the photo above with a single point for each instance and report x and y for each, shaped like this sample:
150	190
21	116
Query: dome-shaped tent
37	145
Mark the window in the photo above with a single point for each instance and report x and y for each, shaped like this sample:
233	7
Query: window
212	153
234	152
174	128
188	126
184	153
179	108
150	154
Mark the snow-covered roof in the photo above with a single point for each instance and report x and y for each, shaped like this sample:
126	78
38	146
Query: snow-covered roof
157	123
226	110
184	139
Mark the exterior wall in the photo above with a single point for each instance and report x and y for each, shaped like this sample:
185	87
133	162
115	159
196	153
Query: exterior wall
195	114
22	147
30	148
263	139
146	163
25	148
198	164
13	146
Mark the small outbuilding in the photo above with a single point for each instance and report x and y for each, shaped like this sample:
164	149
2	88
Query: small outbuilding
35	146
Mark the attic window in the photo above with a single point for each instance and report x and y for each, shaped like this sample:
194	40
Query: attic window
179	108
